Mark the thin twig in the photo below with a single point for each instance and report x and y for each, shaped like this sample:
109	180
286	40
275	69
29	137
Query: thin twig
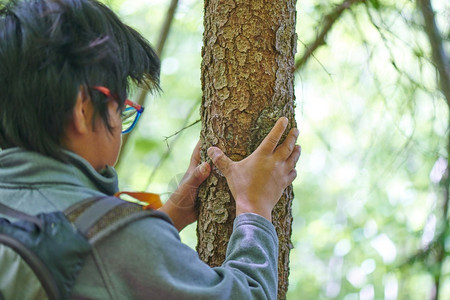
166	138
177	135
315	58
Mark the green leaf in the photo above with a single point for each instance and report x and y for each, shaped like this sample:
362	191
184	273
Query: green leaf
375	4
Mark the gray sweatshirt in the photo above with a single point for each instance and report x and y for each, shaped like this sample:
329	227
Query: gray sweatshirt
145	259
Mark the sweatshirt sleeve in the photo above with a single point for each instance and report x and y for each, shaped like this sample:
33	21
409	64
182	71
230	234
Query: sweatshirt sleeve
147	260
253	252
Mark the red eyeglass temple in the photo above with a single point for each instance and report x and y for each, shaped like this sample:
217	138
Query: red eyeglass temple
133	104
107	93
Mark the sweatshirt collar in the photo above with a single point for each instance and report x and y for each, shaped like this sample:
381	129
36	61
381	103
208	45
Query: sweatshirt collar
23	167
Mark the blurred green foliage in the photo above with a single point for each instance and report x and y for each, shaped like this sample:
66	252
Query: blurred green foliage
373	133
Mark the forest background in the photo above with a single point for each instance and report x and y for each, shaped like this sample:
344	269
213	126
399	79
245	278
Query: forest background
370	212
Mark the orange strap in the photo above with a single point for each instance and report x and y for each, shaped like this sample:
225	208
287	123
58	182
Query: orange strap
150	200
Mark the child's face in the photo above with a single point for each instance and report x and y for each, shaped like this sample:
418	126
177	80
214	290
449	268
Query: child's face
108	142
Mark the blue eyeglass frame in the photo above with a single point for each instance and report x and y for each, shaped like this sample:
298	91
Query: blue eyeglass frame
133	105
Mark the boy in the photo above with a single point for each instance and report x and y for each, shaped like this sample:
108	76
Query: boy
65	69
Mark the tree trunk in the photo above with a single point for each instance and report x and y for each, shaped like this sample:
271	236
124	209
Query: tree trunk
248	83
442	64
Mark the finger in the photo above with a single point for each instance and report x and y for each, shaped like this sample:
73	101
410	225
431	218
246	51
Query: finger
219	159
195	157
291	176
293	158
194	162
288	145
199	175
188	187
270	142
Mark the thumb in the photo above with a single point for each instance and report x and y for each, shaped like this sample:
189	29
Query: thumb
219	158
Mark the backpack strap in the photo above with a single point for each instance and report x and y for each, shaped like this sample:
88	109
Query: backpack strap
98	217
95	212
9	211
51	249
57	264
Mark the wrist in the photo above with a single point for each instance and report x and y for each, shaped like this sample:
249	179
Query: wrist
180	216
243	206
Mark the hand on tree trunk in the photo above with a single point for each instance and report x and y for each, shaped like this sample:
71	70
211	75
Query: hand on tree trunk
258	181
181	206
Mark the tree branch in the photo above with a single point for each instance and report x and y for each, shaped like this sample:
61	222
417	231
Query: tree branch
440	57
177	135
442	64
330	20
166	139
163	34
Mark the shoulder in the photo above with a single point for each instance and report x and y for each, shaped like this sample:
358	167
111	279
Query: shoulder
100	217
133	259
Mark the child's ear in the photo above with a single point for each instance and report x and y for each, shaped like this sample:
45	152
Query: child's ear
82	113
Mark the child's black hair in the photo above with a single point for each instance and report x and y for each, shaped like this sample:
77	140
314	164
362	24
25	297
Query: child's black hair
51	48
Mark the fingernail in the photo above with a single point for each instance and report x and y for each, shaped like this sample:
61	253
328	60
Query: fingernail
285	121
211	152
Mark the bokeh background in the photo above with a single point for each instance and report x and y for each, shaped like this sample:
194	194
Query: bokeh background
374	129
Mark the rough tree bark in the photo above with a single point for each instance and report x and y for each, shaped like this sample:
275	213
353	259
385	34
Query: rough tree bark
248	83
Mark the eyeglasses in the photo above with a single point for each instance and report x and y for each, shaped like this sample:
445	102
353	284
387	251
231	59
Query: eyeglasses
130	114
